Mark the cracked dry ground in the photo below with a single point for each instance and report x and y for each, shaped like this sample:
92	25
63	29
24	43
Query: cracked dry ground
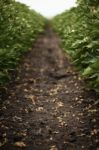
47	107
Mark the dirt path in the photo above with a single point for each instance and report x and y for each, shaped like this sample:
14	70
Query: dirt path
47	107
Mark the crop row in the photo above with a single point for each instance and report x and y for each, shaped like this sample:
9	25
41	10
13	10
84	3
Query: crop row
19	27
79	32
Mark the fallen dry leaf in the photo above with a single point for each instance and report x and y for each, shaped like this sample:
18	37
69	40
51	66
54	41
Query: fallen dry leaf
92	110
20	144
32	98
53	147
60	104
39	109
94	132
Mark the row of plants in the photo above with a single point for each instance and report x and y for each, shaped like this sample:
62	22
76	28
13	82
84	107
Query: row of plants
19	27
79	32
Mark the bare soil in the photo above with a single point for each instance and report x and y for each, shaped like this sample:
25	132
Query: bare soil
46	106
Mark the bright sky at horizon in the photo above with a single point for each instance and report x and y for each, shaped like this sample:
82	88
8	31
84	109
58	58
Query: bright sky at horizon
48	8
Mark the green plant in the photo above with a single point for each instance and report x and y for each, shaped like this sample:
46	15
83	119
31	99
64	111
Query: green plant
79	32
19	27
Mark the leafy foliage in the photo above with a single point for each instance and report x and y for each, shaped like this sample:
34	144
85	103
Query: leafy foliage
79	31
19	27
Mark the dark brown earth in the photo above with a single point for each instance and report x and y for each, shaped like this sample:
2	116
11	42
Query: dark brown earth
47	106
